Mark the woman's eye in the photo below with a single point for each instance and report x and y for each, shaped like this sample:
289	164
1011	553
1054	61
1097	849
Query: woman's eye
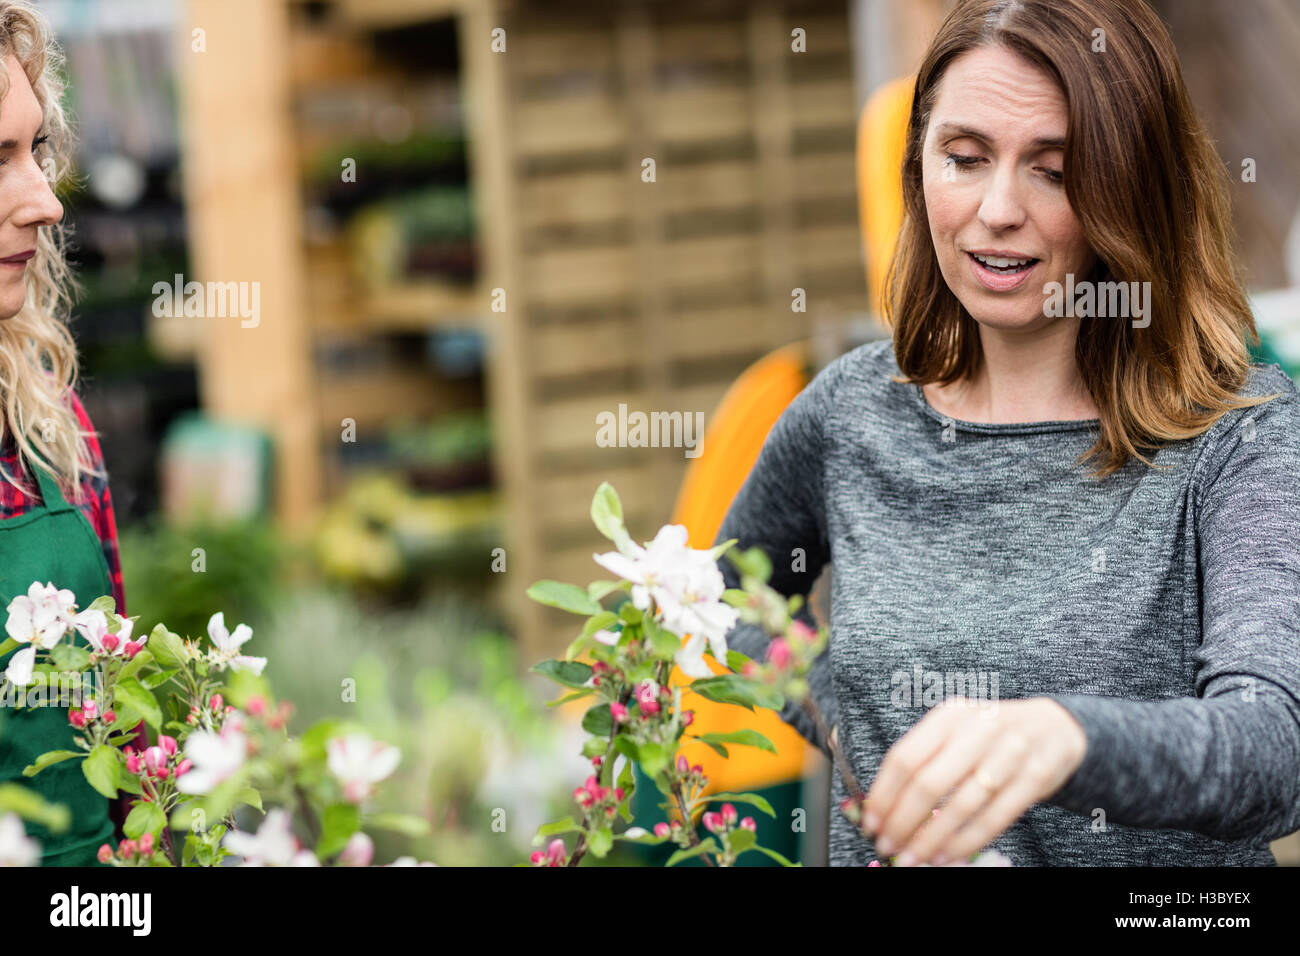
1055	175
960	160
38	142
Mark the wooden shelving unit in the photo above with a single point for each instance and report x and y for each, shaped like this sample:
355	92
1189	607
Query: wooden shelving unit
650	294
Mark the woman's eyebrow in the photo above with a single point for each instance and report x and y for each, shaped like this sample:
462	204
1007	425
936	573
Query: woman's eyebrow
957	129
13	143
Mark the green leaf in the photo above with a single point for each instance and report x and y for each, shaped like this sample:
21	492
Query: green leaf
630	613
654	759
104	603
133	666
736	660
67	657
127	781
753	562
734	689
167	648
158	678
100	768
664	644
599	589
404	823
739	840
30	805
144	818
567	825
250	796
567	597
132	693
338	823
573	674
719	550
706	846
599	622
49	760
8	645
750	798
600	841
774	855
576	695
598	721
748	738
720	750
607	515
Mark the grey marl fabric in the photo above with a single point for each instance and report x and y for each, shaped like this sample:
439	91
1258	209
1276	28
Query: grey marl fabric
1160	607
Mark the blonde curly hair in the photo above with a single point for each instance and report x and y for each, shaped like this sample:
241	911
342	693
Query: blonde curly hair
38	357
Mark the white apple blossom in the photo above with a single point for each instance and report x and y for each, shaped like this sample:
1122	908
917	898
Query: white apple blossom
215	757
272	845
92	623
226	646
686	586
357	762
16	847
40	618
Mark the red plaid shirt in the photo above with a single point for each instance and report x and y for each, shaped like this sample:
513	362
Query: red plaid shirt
97	506
97	503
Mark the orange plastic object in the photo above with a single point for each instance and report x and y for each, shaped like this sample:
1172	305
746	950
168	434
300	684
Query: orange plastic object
882	137
731	446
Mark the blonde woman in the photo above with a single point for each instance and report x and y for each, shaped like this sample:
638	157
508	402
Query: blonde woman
56	514
1077	502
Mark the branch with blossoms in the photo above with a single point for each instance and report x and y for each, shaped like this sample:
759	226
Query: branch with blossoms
208	758
670	605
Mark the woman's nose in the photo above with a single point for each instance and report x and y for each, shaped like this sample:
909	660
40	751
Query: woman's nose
38	206
1001	207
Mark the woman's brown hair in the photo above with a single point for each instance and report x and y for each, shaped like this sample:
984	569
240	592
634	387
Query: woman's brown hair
1151	195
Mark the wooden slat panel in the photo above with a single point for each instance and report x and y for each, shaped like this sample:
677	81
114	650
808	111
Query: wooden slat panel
576	199
822	175
544	53
573	276
825	103
570	124
694	114
694	262
828	247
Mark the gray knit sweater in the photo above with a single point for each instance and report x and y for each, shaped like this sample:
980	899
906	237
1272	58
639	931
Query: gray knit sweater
1160	607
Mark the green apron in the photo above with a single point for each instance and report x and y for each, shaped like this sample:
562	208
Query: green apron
53	542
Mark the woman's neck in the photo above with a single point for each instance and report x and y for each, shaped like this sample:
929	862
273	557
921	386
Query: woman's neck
1022	377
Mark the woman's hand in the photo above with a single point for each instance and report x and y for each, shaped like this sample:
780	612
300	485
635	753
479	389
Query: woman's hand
996	759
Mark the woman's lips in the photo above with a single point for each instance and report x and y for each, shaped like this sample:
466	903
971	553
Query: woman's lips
19	261
1000	282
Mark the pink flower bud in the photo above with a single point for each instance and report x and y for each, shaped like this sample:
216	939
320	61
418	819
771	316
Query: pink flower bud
618	794
163	773
192	720
168	744
712	822
216	702
682	766
597	761
90	709
105	853
555	855
109	716
155	759
801	631
749	669
146	843
778	652
256	706
874	863
610	811
697	769
359	851
131	649
133	762
184	767
128	848
749	824
649	708
538	858
109	642
618	712
729	813
646	693
662	829
600	667
77	719
688	718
